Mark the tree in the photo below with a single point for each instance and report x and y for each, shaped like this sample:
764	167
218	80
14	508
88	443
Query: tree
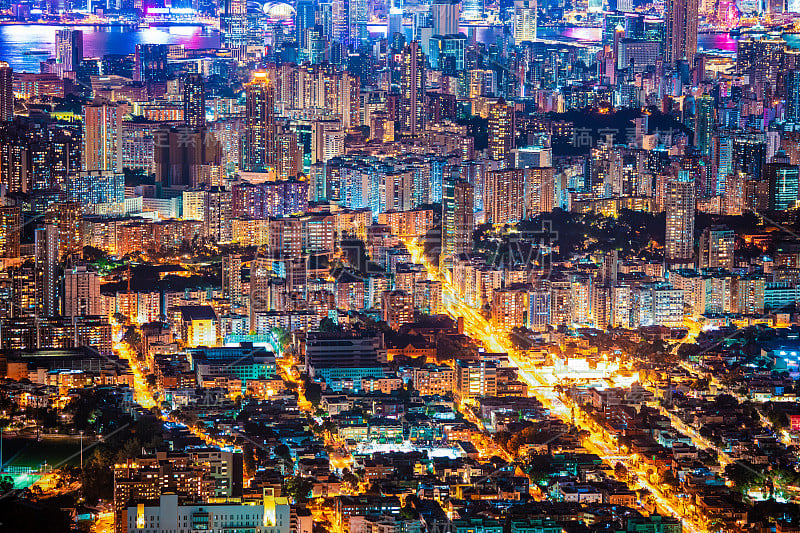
743	475
282	337
6	484
327	325
313	391
298	488
92	254
248	460
350	479
282	451
133	338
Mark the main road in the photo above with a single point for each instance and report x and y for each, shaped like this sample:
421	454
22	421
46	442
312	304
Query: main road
478	327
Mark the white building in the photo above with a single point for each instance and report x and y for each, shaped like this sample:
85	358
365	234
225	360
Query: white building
81	292
194	203
524	20
271	516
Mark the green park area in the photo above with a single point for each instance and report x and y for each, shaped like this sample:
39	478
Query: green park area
22	456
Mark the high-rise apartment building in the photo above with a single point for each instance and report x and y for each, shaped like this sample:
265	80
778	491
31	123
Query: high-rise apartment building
194	101
288	156
475	379
6	92
232	277
102	136
501	130
67	218
412	89
186	157
397	308
504	196
96	187
509	308
46	256
81	292
458	220
260	119
679	204
716	248
10	228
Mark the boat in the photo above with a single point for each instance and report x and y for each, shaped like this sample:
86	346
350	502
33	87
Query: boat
36	52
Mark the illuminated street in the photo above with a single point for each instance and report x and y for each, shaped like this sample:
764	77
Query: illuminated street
477	327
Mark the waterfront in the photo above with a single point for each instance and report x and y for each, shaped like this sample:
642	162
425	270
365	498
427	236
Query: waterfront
24	46
17	41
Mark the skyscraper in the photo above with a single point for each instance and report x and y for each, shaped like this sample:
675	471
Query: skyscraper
358	16
445	15
102	141
194	101
783	184
233	24
704	125
394	22
69	49
304	19
501	130
232	277
340	21
681	31
748	154
679	203
46	255
524	20
793	96
412	89
260	119
10	220
151	62
6	92
458	219
472	9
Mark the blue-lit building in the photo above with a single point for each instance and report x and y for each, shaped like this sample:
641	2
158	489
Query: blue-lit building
345	357
447	52
243	362
97	187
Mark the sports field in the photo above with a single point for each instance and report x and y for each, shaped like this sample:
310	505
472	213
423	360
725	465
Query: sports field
20	454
